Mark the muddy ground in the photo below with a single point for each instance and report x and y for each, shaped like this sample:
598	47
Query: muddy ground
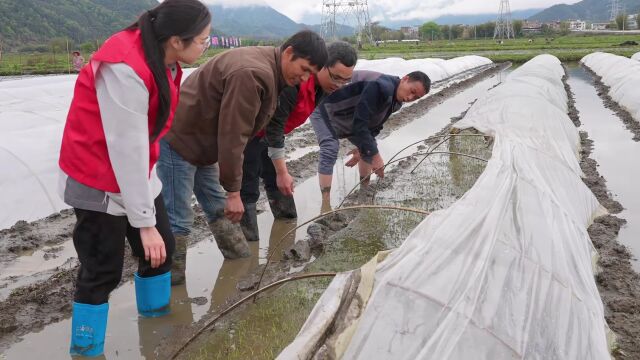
338	242
618	284
29	308
48	297
609	103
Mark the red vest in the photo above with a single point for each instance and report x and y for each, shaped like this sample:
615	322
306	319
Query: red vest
83	155
305	104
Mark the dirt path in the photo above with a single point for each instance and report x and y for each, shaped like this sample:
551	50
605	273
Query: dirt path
618	284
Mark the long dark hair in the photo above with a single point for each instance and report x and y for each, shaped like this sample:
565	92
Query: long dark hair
183	18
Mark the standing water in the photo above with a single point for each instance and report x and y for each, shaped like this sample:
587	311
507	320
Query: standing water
613	150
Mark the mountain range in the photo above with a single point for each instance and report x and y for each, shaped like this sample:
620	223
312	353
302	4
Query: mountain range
38	21
589	10
260	22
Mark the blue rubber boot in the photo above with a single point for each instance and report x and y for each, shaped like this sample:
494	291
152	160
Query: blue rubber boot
153	294
88	328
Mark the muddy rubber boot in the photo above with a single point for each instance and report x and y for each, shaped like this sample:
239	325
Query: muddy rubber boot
230	239
153	294
249	223
88	328
179	264
282	207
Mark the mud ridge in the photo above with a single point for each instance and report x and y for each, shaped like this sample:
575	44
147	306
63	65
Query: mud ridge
603	91
618	283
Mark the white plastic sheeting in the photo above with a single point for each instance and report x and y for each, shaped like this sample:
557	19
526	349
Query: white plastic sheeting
436	69
506	272
636	56
621	75
32	116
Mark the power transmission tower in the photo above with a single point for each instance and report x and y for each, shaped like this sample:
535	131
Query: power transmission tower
349	12
615	9
504	25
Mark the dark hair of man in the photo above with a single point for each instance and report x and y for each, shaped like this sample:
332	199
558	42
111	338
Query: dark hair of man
308	45
342	52
422	78
183	18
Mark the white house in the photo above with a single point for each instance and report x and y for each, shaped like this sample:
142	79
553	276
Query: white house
577	25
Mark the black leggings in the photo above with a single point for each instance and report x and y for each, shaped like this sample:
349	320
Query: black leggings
99	241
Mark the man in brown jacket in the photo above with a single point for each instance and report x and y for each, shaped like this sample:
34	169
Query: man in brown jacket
223	104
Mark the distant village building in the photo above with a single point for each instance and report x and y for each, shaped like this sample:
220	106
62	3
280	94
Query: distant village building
410	32
599	26
632	22
531	27
577	25
555	25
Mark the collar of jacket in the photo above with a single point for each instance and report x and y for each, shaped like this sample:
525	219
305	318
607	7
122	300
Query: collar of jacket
394	98
281	82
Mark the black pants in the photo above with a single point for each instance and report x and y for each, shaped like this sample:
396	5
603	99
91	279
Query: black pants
99	241
257	164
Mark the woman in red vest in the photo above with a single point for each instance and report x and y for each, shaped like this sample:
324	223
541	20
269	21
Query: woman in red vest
123	103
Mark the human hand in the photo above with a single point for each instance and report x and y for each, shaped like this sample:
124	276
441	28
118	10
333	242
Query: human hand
153	245
377	163
285	183
355	158
234	209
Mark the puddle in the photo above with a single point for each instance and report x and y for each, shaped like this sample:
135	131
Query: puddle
613	149
34	267
211	278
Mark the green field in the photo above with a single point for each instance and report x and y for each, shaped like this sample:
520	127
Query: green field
51	63
567	48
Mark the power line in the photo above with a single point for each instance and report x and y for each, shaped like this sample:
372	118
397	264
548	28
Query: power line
351	12
504	25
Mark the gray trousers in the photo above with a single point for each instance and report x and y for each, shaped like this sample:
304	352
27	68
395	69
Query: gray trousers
329	144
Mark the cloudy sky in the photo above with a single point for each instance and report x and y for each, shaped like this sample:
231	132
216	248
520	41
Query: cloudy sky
304	10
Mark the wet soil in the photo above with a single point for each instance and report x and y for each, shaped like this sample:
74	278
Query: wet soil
603	91
29	308
618	284
341	242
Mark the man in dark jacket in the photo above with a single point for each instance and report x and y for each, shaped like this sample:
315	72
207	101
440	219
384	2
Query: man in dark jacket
264	156
223	104
357	112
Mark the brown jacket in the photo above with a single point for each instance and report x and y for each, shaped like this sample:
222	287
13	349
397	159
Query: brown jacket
223	104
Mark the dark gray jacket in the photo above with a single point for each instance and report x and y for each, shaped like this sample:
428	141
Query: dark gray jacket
359	110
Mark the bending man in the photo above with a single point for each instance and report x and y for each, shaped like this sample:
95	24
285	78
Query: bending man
358	112
264	156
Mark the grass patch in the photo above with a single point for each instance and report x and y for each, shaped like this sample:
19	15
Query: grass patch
568	48
59	63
